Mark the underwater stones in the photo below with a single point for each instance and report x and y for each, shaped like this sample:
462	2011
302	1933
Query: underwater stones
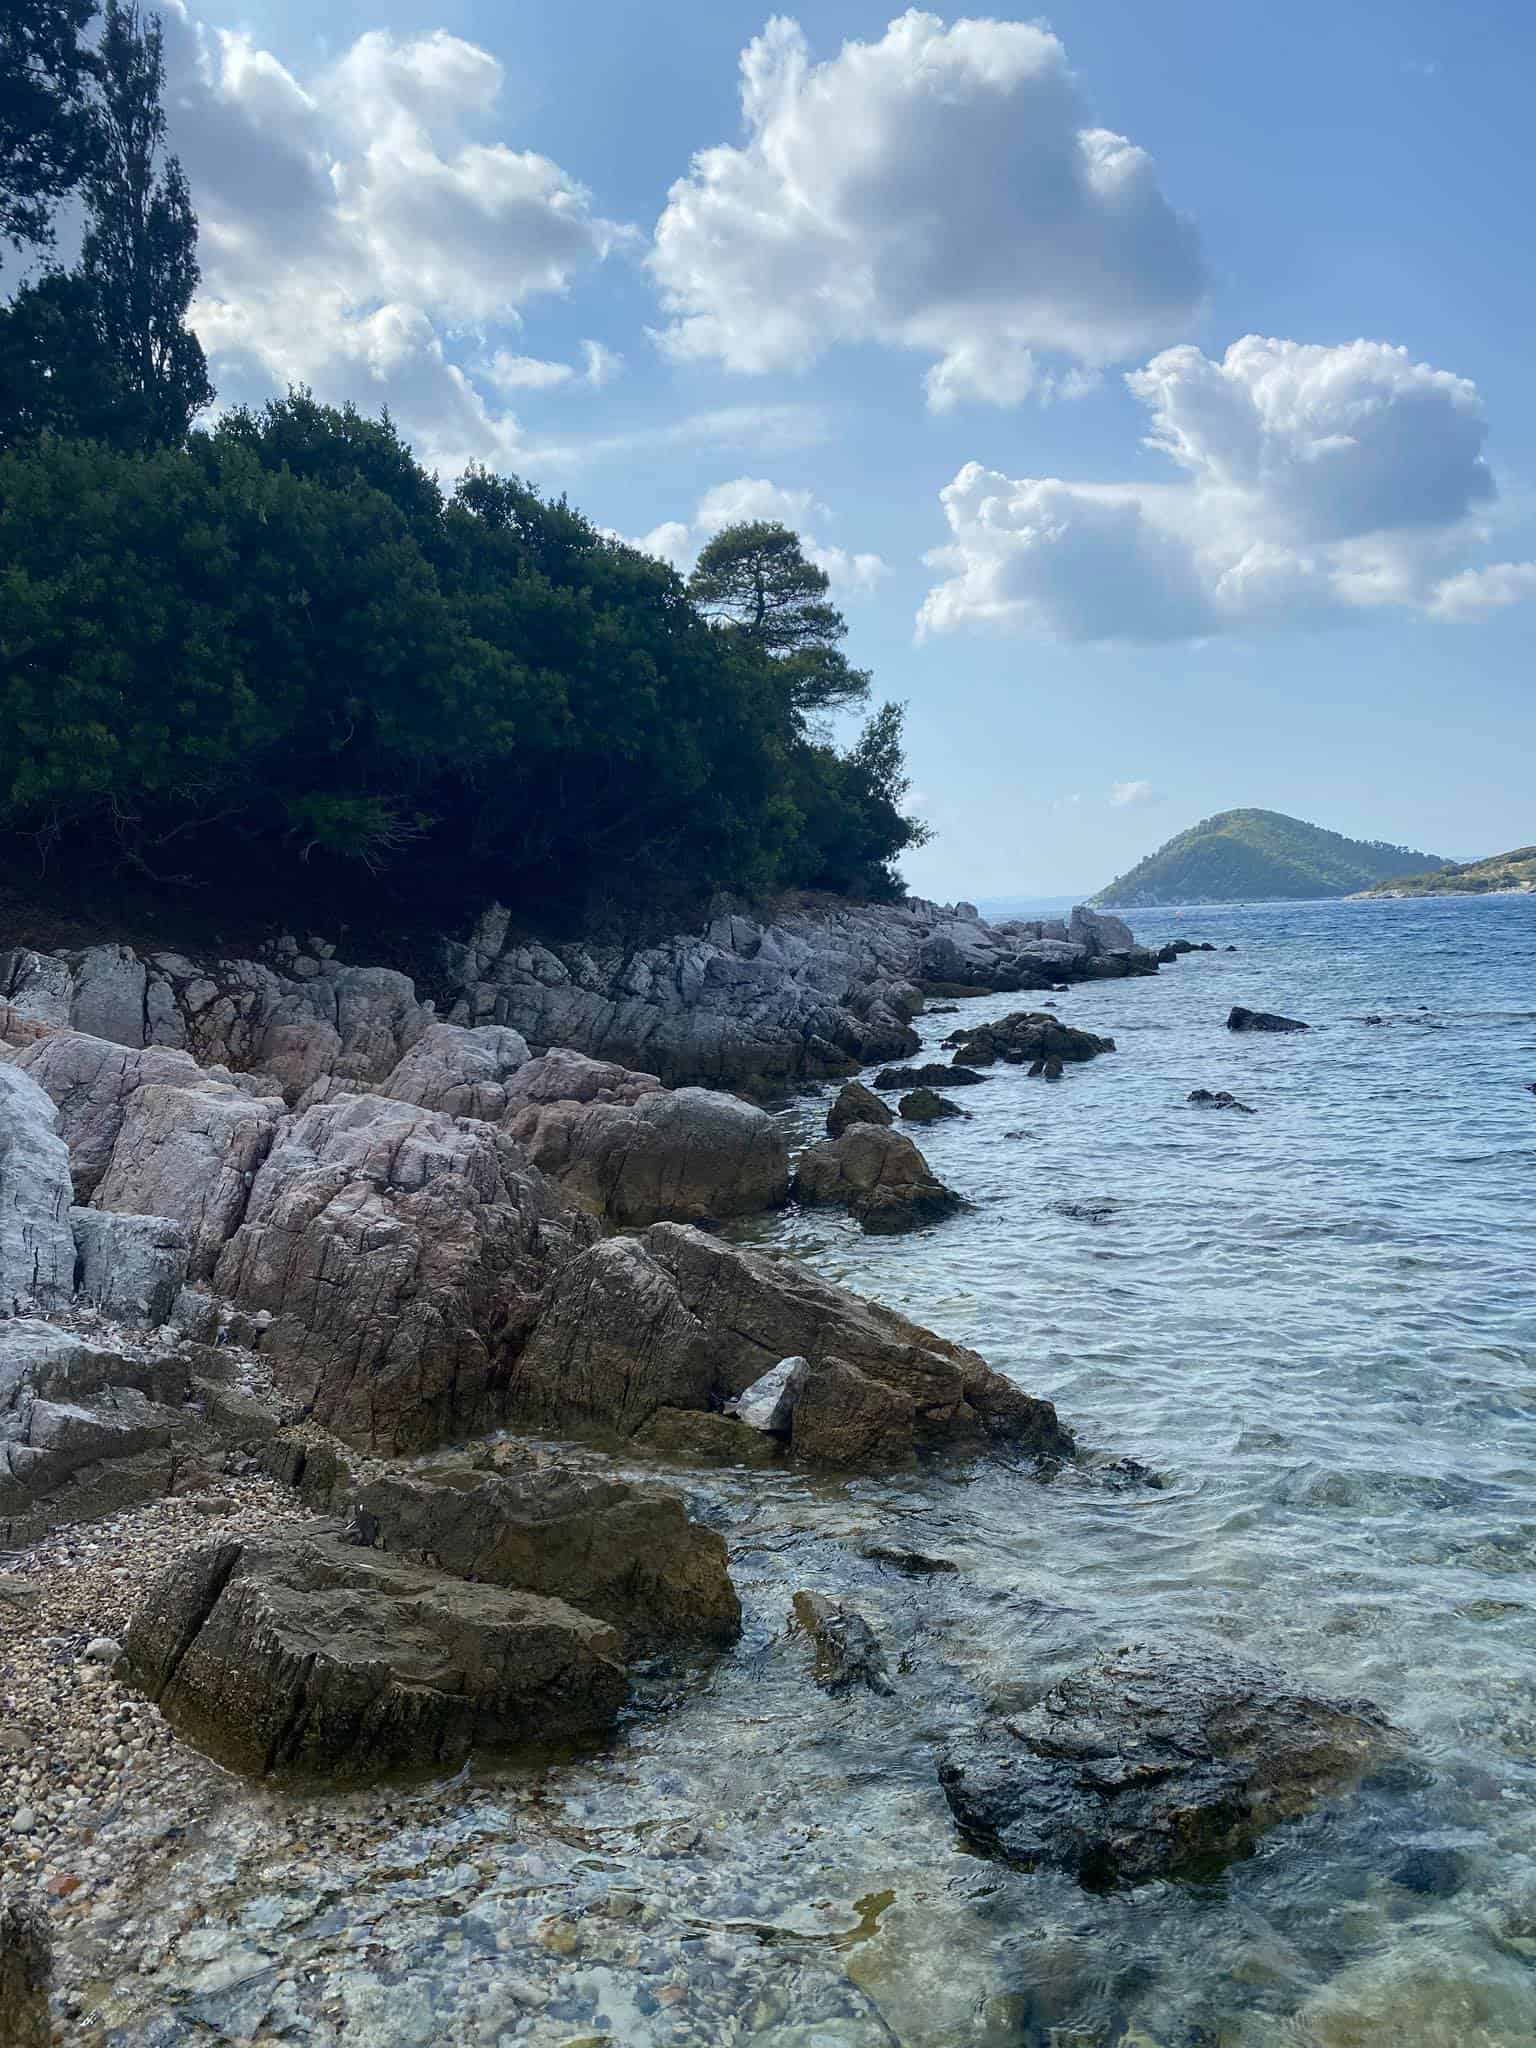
304	1654
1155	1764
847	1651
1239	1019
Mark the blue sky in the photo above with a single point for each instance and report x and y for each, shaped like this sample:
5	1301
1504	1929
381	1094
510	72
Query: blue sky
1104	288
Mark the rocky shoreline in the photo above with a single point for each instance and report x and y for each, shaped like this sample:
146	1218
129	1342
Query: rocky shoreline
286	1263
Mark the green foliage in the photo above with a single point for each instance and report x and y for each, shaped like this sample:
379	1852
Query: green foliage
46	132
1258	856
280	653
1515	870
754	581
105	351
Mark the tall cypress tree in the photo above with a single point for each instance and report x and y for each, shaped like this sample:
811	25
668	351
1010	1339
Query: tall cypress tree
139	258
45	120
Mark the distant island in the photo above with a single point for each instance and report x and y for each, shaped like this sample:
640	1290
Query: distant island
1263	857
1500	871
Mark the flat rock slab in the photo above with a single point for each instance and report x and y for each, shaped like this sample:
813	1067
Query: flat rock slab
309	1656
1155	1765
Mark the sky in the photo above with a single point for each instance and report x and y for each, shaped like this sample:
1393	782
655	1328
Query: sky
1153	382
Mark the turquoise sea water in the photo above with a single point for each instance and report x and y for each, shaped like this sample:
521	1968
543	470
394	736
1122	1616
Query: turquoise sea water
1316	1323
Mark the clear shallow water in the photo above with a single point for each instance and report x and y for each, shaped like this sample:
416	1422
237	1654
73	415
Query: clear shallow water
1317	1323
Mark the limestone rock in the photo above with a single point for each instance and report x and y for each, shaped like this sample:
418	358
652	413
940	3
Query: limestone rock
459	1071
1155	1764
687	1155
130	1267
1023	1037
626	1553
856	1104
564	1076
92	1081
191	1154
308	1655
37	1250
400	1254
878	1176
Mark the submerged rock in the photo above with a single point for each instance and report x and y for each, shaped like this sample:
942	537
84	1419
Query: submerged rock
1240	1019
1025	1036
878	1176
856	1104
847	1650
1155	1764
1202	1098
26	1969
305	1654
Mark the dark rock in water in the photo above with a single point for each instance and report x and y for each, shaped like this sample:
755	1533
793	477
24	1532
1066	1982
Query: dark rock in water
1231	949
857	1104
1262	1020
1175	947
932	1076
878	1176
1097	1209
1204	1099
1373	1020
1155	1765
925	1106
1026	1035
1122	1474
848	1651
1051	1069
941	1009
26	1970
707	1439
628	1554
1167	955
912	1564
305	1654
1431	1870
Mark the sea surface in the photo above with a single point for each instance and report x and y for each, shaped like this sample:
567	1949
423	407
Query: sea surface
1317	1325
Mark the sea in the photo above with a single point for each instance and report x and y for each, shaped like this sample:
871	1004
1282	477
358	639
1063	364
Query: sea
1316	1326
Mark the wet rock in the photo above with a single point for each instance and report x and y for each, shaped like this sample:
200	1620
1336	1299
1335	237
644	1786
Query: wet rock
130	1267
931	1076
1091	1209
704	1438
878	1176
1431	1869
26	1969
925	1106
847	1650
856	1104
1239	1019
1155	1764
912	1564
626	1553
1050	1069
401	1255
37	1249
756	1311
309	1655
1025	1036
841	1417
1203	1098
684	1155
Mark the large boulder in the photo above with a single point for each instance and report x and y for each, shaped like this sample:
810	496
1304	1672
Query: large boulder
878	1176
841	1417
1239	1019
130	1267
614	1343
37	1249
459	1071
626	1553
1155	1764
1022	1038
191	1154
400	1255
305	1654
924	1106
1097	931
561	1075
688	1155
856	1104
681	1320
92	1081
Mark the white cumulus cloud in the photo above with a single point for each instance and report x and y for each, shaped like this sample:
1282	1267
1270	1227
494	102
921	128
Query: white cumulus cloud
756	497
356	222
1317	482
941	190
1125	793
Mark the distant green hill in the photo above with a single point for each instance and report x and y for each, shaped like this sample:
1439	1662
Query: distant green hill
1258	857
1515	870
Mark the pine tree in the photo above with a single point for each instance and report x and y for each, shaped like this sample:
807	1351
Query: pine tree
45	123
754	579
